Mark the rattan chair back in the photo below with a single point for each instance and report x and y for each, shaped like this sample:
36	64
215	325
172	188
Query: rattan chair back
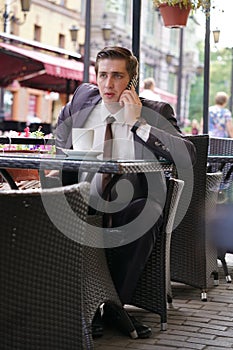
153	287
193	257
223	146
51	284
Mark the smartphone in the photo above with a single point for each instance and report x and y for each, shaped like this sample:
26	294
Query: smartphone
133	82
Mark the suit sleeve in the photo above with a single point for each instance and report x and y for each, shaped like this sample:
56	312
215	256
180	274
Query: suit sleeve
165	139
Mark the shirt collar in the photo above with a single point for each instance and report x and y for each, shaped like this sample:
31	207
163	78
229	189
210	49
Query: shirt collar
119	116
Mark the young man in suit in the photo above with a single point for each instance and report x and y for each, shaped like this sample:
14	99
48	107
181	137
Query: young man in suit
138	133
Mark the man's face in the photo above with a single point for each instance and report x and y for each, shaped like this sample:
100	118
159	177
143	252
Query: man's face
112	79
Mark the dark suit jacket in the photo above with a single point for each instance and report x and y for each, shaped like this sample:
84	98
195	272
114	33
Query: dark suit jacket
165	139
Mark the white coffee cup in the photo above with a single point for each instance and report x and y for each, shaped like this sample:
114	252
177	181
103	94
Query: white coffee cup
82	139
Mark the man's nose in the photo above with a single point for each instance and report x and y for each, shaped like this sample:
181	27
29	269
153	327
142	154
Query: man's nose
109	81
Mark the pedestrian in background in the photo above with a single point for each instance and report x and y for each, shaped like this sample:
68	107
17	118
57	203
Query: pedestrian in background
149	90
195	127
220	118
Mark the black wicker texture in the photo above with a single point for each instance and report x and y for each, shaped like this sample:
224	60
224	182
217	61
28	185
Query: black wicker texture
223	147
151	290
176	188
51	285
41	274
153	287
193	258
96	272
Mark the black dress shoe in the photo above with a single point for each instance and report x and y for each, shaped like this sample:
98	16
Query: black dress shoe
111	317
142	330
97	325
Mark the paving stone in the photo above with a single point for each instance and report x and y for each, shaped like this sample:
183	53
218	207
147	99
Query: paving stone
215	342
216	348
192	334
205	325
186	328
222	322
179	344
192	324
228	333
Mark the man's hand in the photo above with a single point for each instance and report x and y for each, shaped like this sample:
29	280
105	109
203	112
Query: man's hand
132	105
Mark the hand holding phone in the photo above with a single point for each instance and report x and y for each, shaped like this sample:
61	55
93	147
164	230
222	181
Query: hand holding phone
130	102
133	82
128	95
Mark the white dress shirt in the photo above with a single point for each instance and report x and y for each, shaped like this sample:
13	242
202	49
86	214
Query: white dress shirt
123	140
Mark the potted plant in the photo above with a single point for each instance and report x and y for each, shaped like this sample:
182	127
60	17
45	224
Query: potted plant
175	12
26	174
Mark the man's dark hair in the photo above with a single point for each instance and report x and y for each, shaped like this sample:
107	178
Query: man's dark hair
118	52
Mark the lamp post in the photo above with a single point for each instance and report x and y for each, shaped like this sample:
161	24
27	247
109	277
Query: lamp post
87	42
106	30
179	83
74	35
9	17
169	57
216	34
206	75
136	30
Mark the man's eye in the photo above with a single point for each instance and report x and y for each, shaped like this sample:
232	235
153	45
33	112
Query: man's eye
102	75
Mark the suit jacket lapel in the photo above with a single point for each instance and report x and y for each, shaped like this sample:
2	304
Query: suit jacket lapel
85	109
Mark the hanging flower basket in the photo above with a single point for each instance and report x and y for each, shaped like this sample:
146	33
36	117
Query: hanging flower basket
174	16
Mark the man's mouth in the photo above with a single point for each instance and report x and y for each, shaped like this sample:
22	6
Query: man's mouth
109	94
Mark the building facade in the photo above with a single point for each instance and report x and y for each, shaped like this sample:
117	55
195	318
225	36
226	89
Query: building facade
49	22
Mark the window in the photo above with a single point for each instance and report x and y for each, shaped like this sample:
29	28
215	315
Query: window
150	18
61	41
37	33
8	101
148	70
127	11
172	82
32	104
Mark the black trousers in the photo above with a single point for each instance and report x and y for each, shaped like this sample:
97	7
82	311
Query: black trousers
128	261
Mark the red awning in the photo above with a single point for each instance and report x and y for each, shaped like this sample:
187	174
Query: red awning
166	96
39	70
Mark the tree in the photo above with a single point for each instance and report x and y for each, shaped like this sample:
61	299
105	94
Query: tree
220	72
220	80
196	94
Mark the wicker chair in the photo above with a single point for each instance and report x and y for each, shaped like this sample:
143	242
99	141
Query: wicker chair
193	257
51	284
223	146
154	284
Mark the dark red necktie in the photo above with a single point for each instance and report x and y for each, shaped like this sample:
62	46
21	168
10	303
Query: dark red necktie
107	152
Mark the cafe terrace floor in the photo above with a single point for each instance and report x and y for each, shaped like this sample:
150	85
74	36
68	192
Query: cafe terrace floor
192	323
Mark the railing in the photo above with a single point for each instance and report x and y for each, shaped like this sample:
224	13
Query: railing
4	140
